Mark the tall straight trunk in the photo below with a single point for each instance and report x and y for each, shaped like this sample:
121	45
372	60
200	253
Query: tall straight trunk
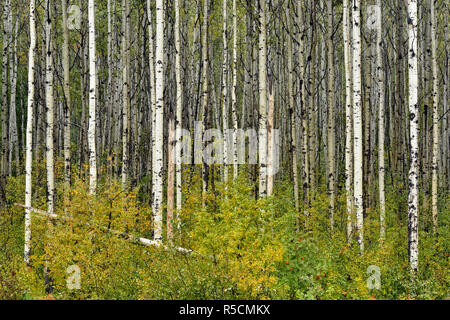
204	95
292	110
13	138
312	109
67	98
49	109
4	112
381	129
179	105
225	91
152	86
434	168
331	117
413	228
262	100
233	94
270	138
303	108
446	121
357	124
158	165
126	89
29	133
170	176
109	126
92	100
348	121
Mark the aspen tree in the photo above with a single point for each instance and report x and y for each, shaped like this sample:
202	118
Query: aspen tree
49	109
29	133
381	128
262	100
92	100
204	94
233	94
125	88
179	105
67	98
331	116
434	168
413	227
270	138
348	120
4	112
158	165
152	86
357	124
303	107
225	91
13	138
292	111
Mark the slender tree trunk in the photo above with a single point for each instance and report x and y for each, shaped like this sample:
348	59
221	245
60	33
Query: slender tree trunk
4	112
92	100
262	100
414	136
126	89
331	116
179	106
158	165
225	92
357	124
434	180
270	138
303	107
29	133
348	121
205	87
67	101
233	94
292	109
13	138
152	82
49	110
381	129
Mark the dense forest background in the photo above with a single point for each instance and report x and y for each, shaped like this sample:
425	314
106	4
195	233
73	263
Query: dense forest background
333	184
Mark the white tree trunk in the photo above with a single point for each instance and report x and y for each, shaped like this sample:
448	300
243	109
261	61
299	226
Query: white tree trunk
158	165
152	77
49	110
233	94
179	107
262	100
92	100
414	136
434	168
331	151
225	92
4	111
357	124
303	108
381	96
13	139
348	121
126	89
29	133
292	108
67	104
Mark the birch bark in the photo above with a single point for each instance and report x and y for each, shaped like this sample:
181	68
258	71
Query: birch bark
29	133
413	210
357	124
92	100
